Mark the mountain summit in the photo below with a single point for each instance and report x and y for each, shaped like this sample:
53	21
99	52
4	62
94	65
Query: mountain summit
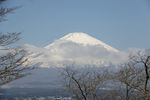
83	39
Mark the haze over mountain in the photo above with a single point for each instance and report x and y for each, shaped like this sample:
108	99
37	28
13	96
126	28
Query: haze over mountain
77	48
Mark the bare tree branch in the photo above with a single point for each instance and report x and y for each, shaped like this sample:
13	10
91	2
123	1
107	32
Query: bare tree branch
83	85
13	63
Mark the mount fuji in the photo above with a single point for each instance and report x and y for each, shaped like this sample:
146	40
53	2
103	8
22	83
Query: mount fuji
78	49
82	39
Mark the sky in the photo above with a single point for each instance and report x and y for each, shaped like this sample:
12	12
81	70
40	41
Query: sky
121	24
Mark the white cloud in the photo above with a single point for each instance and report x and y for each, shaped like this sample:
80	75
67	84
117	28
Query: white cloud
72	53
79	49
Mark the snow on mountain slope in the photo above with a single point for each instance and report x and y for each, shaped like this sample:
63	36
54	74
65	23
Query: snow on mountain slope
84	39
77	49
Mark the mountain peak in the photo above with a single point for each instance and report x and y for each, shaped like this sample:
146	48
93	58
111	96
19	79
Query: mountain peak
85	39
81	38
76	34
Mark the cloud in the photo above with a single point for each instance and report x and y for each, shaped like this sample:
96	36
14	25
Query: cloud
68	52
78	49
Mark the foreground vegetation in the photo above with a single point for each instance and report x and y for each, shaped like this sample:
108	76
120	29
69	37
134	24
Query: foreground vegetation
129	82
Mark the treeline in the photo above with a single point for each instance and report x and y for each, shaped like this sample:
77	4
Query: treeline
129	82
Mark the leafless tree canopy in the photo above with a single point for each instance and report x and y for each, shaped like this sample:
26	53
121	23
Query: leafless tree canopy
83	85
11	66
135	74
5	11
12	61
130	82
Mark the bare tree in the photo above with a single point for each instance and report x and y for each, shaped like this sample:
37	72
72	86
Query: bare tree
127	75
84	85
135	74
12	59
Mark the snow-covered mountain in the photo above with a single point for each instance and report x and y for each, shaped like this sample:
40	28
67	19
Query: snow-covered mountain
82	39
77	49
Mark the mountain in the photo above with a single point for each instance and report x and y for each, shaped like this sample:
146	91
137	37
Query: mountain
82	39
78	49
73	50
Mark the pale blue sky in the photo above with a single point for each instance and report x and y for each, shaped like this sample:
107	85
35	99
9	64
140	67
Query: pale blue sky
120	23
